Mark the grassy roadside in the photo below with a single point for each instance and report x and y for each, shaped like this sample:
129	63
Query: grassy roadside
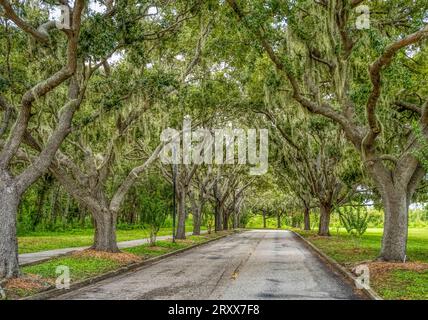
42	241
88	263
403	281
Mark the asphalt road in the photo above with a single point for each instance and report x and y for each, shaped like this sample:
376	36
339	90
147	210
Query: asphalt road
257	264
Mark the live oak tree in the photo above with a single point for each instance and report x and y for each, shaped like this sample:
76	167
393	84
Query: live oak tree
310	156
17	103
314	156
75	60
199	194
353	77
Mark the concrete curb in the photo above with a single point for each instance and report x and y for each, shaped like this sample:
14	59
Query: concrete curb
54	292
370	293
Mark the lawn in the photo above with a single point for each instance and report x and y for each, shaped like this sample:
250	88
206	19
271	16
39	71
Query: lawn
391	281
42	241
89	263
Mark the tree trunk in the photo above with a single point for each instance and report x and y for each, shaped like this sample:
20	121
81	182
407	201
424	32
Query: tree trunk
278	217
9	200
394	241
396	190
225	219
324	226
181	223
218	218
105	231
307	218
197	213
264	219
236	220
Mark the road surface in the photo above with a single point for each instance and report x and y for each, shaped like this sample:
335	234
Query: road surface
257	264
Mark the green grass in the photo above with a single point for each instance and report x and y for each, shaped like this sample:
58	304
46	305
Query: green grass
394	284
349	250
87	266
41	241
256	222
161	247
404	285
80	267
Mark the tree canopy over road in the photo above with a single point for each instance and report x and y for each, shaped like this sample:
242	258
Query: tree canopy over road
84	102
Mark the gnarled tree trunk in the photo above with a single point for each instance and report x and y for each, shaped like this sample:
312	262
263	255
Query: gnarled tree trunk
235	220
307	219
324	225
197	219
396	188
9	202
197	224
218	218
181	223
226	219
394	241
105	231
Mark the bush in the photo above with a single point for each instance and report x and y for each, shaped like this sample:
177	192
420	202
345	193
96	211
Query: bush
153	215
354	219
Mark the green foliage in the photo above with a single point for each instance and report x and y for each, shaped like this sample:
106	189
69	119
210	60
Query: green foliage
80	267
354	219
404	285
162	247
154	210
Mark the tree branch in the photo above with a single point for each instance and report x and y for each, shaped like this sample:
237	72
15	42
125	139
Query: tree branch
375	76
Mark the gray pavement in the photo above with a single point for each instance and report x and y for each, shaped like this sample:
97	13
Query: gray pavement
257	264
27	258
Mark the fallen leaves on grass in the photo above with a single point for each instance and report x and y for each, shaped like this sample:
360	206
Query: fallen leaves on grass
120	257
380	271
378	268
28	282
404	285
185	241
26	285
155	248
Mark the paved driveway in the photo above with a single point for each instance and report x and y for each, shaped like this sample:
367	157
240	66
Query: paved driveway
257	264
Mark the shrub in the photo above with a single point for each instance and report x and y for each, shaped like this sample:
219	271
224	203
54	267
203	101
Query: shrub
354	219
